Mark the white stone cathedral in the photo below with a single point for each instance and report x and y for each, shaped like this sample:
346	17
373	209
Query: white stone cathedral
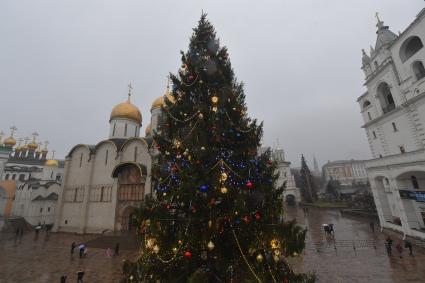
104	183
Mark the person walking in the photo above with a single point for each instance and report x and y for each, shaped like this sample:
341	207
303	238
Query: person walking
63	279
81	251
73	245
388	245
117	249
409	245
80	275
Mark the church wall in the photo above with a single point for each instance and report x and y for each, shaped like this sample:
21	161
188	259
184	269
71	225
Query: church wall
142	155
133	128
100	216
103	166
71	219
79	170
405	68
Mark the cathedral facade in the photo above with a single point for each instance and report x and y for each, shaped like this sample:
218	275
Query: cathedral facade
105	182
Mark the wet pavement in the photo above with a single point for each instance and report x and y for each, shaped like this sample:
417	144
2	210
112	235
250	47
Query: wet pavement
356	255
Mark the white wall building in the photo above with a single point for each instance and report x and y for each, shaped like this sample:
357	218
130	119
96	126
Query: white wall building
292	194
346	172
393	110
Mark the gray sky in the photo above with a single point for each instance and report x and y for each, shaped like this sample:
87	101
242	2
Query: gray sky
65	64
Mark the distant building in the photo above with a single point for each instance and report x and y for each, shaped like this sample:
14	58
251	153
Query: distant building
316	172
29	182
393	110
346	172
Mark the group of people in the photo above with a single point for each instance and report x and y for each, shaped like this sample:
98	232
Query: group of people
116	251
80	276
82	249
399	246
329	229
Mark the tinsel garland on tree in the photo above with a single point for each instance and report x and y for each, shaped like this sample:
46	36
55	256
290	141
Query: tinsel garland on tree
216	215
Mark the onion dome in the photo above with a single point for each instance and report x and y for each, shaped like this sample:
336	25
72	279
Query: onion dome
148	130
10	142
159	102
126	110
32	145
51	163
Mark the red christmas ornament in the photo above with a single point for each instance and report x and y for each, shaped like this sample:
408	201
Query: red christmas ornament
191	78
269	162
188	255
246	219
257	216
249	184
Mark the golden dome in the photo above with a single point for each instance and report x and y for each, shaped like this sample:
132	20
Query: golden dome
159	102
148	130
10	141
52	163
32	145
128	111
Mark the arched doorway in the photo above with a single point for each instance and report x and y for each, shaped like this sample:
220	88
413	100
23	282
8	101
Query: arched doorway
128	222
290	200
385	97
411	186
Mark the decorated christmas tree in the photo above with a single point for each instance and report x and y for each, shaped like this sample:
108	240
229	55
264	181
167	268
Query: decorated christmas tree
216	215
308	186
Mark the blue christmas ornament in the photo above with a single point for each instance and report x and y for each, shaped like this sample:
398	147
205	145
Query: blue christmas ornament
203	188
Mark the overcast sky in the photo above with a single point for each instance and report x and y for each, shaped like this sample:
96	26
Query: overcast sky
65	64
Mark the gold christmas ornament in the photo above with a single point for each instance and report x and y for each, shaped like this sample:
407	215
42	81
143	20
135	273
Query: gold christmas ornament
202	148
260	258
150	243
251	251
155	249
209	224
148	222
223	176
214	109
210	245
175	250
276	258
223	190
201	116
180	242
214	99
277	252
275	244
295	254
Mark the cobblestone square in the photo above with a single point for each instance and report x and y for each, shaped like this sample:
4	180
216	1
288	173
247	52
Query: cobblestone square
357	255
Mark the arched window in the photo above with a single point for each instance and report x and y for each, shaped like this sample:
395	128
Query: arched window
415	183
385	97
125	130
135	131
418	70
6	177
366	104
106	157
22	177
135	153
81	159
410	47
113	130
13	176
